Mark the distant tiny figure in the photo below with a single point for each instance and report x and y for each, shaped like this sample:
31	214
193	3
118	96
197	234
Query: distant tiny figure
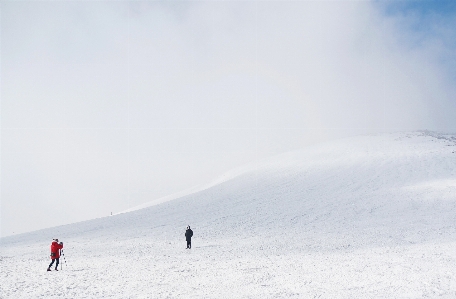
188	237
55	253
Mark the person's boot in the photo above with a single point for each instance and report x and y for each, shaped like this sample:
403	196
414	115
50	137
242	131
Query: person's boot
56	269
49	269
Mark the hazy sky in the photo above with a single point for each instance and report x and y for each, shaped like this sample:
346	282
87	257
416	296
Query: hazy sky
107	105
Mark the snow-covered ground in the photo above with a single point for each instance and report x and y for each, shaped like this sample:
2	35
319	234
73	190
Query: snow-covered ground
364	217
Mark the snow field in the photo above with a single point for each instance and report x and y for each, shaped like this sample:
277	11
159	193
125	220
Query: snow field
365	217
227	271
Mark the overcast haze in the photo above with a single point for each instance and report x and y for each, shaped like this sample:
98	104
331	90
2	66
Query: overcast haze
107	105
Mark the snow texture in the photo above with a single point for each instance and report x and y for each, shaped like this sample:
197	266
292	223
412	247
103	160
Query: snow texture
364	217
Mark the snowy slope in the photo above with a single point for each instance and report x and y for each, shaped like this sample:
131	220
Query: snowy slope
364	217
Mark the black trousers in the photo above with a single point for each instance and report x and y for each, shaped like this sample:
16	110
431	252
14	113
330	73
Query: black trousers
189	243
56	264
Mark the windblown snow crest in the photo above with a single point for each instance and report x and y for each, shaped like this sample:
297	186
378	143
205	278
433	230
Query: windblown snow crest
390	189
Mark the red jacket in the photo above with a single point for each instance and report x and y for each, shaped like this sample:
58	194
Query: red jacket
55	250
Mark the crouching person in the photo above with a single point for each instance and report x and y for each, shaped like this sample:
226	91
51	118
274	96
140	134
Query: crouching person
55	253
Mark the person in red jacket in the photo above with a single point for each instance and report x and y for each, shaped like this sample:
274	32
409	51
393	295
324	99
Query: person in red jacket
55	253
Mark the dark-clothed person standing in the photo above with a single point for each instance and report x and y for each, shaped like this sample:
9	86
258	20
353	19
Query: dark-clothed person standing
188	237
55	253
